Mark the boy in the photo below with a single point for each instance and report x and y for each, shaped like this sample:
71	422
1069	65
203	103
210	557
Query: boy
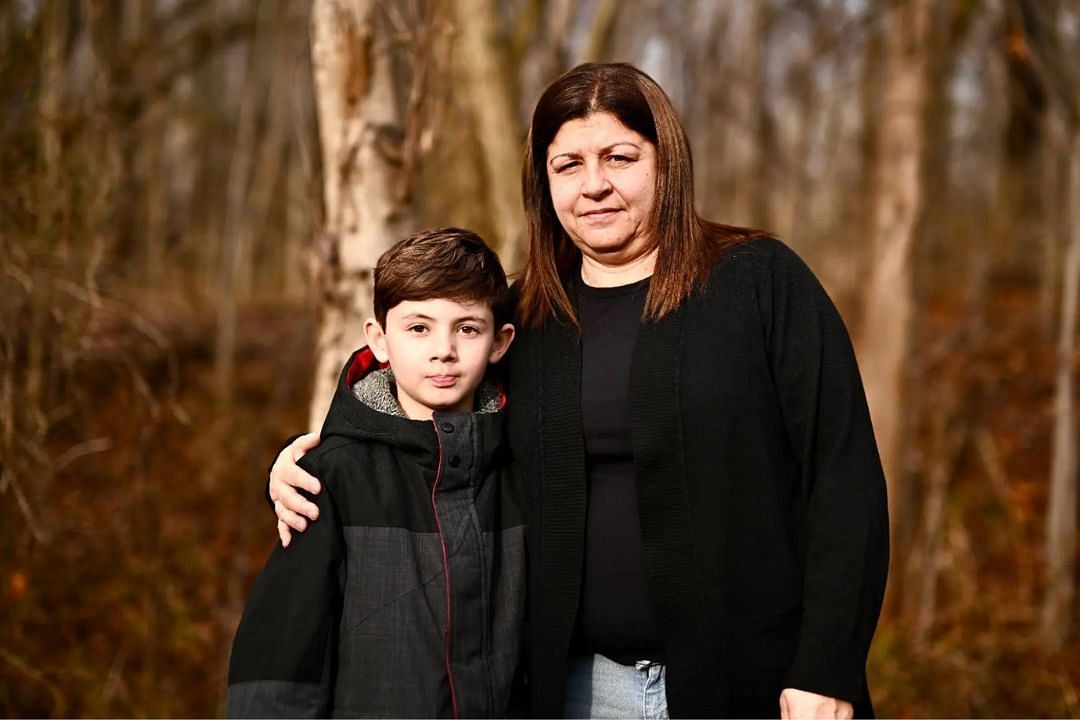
406	598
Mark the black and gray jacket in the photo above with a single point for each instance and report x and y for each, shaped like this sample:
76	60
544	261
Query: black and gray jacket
406	598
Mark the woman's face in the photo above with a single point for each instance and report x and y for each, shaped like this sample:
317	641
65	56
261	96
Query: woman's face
602	177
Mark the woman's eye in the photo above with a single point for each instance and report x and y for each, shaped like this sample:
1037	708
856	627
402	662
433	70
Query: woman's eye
621	159
566	167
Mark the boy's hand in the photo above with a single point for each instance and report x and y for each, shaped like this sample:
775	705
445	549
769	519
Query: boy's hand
285	477
801	705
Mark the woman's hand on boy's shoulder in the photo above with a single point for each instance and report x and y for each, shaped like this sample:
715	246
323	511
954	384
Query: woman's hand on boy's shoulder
291	508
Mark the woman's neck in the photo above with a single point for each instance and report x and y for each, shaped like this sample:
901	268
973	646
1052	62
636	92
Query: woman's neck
597	274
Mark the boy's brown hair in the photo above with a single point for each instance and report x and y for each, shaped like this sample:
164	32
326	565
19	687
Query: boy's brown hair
448	263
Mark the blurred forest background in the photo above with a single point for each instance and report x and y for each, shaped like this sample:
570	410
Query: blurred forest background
194	192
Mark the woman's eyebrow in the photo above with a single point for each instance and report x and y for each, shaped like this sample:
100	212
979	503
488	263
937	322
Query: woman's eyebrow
611	147
603	151
567	154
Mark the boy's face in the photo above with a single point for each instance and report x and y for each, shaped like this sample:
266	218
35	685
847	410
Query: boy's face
439	350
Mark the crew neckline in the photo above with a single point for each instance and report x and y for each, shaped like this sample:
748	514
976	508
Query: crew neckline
613	291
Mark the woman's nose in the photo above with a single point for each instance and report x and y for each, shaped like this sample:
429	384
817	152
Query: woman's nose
596	181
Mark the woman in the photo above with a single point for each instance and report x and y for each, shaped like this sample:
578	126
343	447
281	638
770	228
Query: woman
707	517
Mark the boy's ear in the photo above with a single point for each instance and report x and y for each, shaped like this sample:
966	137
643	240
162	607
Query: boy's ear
503	337
376	339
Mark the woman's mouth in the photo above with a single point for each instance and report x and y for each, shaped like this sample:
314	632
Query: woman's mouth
599	216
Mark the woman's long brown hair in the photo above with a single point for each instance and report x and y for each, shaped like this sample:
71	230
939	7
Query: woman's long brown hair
687	244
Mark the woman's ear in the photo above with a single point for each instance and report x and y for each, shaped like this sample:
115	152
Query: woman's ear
376	339
503	337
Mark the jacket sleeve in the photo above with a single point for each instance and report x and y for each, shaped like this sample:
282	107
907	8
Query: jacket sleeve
845	529
282	662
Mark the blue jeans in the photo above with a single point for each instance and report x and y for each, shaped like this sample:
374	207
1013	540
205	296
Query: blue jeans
597	687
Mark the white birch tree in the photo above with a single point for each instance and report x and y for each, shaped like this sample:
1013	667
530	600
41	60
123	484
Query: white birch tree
361	133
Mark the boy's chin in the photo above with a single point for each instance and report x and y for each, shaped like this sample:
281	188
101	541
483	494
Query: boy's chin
456	404
451	407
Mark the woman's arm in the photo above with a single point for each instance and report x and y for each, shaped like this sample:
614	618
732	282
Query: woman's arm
291	508
845	536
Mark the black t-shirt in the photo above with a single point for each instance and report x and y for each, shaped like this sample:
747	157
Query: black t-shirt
615	617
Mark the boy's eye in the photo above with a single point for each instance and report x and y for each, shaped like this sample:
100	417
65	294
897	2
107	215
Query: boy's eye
469	329
416	328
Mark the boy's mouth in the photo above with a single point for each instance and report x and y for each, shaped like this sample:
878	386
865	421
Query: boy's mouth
442	380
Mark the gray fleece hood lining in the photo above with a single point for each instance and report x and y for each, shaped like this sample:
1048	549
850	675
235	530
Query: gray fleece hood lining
378	391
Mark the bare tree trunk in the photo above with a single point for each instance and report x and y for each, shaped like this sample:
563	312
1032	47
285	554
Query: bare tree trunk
361	134
948	433
707	110
746	98
1061	508
1019	207
800	226
269	164
50	103
51	188
598	45
865	191
885	337
982	190
1055	163
546	59
298	228
235	234
139	28
482	59
949	24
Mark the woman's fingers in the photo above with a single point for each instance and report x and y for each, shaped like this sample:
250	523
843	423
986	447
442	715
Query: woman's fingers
284	533
304	444
803	705
290	518
296	502
291	508
285	476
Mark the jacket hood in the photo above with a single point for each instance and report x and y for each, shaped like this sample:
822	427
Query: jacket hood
365	407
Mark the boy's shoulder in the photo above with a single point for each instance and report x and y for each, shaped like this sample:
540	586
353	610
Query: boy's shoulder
331	450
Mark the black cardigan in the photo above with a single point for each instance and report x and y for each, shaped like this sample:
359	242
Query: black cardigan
760	491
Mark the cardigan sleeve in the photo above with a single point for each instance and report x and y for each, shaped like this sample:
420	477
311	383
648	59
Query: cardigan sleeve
283	654
845	534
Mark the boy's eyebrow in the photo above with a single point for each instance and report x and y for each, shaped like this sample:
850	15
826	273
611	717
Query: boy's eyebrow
422	316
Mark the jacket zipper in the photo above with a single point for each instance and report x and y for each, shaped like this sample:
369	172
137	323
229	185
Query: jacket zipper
446	574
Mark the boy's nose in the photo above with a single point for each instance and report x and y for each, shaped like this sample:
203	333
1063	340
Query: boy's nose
445	348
